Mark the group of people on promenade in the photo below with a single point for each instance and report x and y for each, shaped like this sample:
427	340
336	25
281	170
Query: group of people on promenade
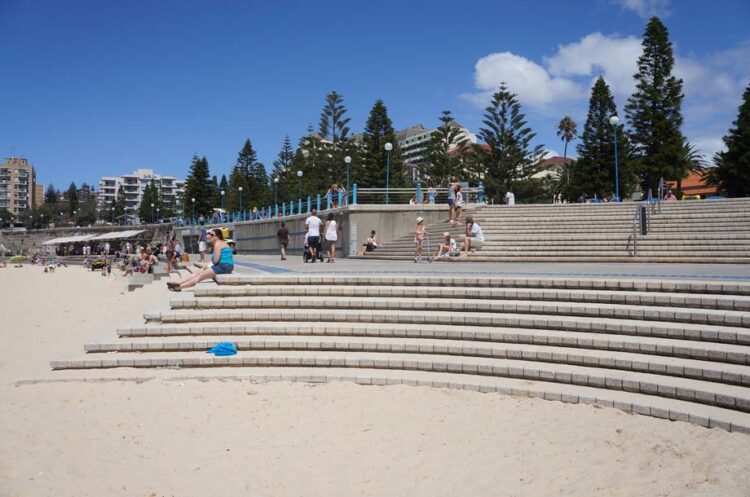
319	236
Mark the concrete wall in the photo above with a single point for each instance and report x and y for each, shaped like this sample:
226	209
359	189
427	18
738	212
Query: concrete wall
355	223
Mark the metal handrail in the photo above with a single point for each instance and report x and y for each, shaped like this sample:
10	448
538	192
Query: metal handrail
661	194
472	195
635	231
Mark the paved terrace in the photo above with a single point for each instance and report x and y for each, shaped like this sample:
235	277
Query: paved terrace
266	264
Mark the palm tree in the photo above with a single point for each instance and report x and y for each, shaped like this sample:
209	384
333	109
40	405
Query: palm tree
566	130
694	161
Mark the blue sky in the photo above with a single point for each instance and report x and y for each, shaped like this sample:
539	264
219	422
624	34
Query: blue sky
95	88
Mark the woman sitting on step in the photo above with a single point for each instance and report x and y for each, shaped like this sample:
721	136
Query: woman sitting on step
223	262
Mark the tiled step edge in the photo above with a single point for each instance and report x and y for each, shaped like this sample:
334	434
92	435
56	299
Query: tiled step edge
704	351
732	374
715	394
646	405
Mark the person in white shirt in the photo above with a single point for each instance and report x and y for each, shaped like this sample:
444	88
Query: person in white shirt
312	225
449	246
331	234
510	199
474	236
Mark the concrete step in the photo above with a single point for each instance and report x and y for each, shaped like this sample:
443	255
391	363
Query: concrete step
731	374
668	299
694	315
622	215
689	349
646	405
694	238
617	326
591	246
686	256
234	281
731	397
541	257
137	280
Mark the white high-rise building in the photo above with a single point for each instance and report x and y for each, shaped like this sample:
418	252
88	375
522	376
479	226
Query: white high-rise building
134	185
413	144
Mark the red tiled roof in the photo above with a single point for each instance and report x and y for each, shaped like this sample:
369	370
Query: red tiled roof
695	184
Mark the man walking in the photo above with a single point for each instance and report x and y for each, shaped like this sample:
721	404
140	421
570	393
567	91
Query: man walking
312	225
283	238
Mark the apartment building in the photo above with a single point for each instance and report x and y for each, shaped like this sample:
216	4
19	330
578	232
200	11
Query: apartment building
17	185
413	143
38	194
134	185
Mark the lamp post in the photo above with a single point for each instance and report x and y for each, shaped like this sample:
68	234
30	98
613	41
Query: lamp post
113	215
347	160
41	225
74	218
614	121
62	222
192	200
276	190
153	215
388	148
240	189
299	184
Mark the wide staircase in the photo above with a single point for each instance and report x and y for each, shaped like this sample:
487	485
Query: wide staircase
689	231
678	350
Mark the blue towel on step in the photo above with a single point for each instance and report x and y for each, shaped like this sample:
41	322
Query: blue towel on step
223	348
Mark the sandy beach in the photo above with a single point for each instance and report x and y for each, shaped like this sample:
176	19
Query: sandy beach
177	437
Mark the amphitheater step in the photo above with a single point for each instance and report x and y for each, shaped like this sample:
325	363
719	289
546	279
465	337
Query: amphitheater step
478	308
709	393
648	405
662	340
438	292
691	349
627	361
496	281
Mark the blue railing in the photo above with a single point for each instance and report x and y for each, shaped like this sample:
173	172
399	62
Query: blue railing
332	200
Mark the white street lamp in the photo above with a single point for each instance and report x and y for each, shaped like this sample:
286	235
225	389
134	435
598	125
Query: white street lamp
614	121
388	148
347	160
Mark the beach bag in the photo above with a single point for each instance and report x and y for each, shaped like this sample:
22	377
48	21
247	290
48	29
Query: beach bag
185	258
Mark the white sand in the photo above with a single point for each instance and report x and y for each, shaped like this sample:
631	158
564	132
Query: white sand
190	438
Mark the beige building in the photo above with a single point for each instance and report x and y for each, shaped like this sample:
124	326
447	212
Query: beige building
17	185
38	194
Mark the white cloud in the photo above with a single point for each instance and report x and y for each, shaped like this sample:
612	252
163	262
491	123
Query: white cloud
613	57
646	8
566	76
707	146
530	81
712	83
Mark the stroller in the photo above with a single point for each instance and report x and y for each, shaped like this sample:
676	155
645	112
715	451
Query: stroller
307	253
